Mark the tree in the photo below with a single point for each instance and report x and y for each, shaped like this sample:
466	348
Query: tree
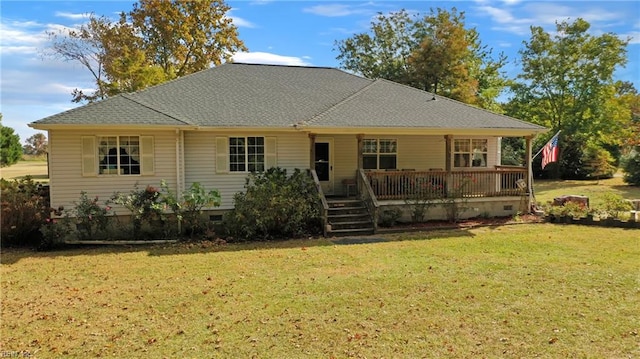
10	149
567	84
156	41
439	63
435	53
85	46
36	145
385	52
184	36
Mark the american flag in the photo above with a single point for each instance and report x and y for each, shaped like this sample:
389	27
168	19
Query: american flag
550	151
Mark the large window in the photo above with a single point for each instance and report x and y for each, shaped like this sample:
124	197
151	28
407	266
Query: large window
379	154
470	153
246	154
119	155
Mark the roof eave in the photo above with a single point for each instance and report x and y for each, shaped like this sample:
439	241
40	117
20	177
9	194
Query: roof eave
499	132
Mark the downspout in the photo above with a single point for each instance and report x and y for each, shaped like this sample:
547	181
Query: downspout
179	158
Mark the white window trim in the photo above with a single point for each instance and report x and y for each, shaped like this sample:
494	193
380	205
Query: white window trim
223	156
378	153
470	152
90	158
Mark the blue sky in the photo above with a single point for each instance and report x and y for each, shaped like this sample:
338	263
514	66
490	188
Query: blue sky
276	32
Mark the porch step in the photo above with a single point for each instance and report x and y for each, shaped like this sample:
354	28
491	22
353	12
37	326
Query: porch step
349	217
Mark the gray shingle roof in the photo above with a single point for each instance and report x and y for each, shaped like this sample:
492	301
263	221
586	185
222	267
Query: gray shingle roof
388	104
271	96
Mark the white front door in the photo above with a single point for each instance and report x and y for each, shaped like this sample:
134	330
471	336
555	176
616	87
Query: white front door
323	163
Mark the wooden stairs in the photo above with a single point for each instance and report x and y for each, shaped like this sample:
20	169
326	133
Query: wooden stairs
348	216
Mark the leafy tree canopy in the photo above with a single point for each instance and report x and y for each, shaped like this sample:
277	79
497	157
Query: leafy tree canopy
567	84
435	52
36	145
10	148
156	41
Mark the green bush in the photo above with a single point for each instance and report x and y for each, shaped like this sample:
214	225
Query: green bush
389	217
631	167
598	162
55	230
189	207
582	160
147	211
614	205
568	209
25	207
274	205
91	217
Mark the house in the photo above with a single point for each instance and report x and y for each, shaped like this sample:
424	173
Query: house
372	138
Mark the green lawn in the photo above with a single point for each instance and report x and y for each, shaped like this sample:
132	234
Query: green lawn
518	291
546	190
36	168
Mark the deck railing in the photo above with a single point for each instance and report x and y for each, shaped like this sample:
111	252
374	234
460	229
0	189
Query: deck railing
401	184
324	205
366	194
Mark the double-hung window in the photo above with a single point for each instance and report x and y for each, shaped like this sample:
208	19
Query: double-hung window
117	155
379	154
246	154
470	152
236	154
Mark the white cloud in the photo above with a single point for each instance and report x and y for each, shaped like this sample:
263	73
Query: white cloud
240	22
269	58
633	36
518	19
72	16
337	10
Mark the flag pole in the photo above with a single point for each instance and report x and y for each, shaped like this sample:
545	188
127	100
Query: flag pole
542	148
532	199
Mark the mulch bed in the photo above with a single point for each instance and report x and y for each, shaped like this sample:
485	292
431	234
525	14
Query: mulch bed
463	224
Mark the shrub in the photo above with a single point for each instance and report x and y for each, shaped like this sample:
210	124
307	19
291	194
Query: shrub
91	218
598	162
274	205
189	207
614	205
25	206
584	160
147	210
389	217
631	167
55	230
420	201
568	209
454	202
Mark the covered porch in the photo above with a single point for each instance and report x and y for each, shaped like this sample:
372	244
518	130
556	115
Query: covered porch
437	168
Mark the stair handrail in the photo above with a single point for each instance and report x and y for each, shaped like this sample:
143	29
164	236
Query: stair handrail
323	201
368	197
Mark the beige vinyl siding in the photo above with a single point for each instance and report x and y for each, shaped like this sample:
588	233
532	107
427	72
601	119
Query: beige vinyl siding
421	152
345	160
292	151
414	152
66	156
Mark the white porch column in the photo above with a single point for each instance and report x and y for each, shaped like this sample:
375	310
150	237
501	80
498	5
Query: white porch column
531	198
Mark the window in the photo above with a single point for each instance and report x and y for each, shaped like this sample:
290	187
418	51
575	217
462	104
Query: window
379	154
470	153
117	155
246	154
